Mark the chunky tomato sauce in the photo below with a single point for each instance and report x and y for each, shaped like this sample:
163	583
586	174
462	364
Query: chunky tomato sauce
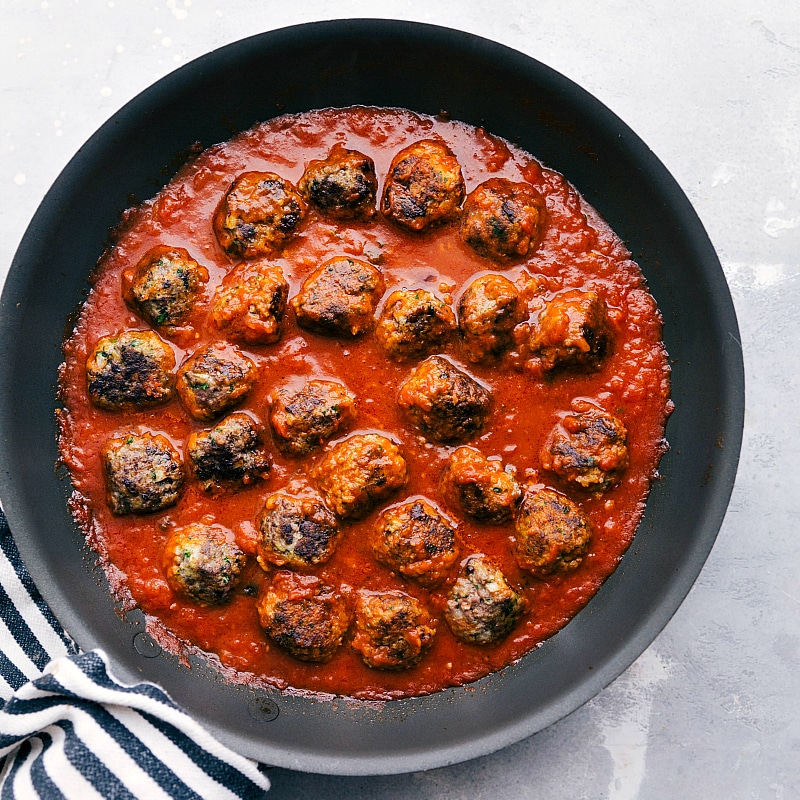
578	250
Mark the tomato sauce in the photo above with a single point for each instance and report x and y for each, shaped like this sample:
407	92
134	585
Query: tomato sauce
578	250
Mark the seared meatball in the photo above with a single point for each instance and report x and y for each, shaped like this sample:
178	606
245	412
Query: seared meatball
358	472
214	379
144	473
588	450
481	607
342	186
129	371
445	404
487	313
503	219
302	420
424	185
415	540
296	531
249	304
392	630
478	487
165	286
413	323
258	214
339	297
552	533
230	456
304	616
203	563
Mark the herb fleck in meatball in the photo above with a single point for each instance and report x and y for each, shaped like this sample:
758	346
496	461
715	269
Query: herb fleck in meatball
339	297
587	450
503	219
303	616
342	186
552	533
214	379
143	474
129	371
258	214
230	456
480	488
445	404
358	472
415	540
250	303
296	531
488	311
481	607
424	185
203	563
413	323
302	420
392	630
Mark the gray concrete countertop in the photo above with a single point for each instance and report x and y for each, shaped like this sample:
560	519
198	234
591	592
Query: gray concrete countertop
712	708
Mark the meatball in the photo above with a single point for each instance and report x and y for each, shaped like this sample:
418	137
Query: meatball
502	219
415	540
303	616
445	404
258	214
358	472
214	379
230	456
302	420
249	304
392	630
481	607
488	311
342	186
165	286
478	487
296	531
144	473
552	533
339	297
130	371
414	323
587	450
424	186
203	563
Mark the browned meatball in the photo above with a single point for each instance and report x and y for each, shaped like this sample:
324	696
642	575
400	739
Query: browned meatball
339	297
303	419
303	616
144	473
588	450
392	630
258	214
552	533
214	379
444	403
415	540
481	607
358	472
129	371
480	488
203	563
342	186
230	456
296	531
487	313
414	323
424	185
249	304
